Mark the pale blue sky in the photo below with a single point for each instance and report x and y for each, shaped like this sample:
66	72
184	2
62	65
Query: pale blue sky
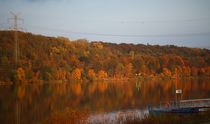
179	22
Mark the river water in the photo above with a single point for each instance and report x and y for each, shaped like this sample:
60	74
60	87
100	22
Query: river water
107	102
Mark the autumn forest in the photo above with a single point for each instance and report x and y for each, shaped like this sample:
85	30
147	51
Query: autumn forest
43	58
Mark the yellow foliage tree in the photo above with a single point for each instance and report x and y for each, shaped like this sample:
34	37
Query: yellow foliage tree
98	45
102	74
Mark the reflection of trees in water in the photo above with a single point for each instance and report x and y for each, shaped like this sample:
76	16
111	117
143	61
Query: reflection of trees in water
92	88
102	87
36	102
77	90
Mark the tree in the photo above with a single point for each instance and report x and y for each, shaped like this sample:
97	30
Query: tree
76	74
166	72
102	74
132	54
91	74
119	70
60	74
207	70
73	60
20	74
186	71
129	70
164	61
201	71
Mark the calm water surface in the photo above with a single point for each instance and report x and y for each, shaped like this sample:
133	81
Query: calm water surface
106	102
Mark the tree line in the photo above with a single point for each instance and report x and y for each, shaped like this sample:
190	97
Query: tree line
45	58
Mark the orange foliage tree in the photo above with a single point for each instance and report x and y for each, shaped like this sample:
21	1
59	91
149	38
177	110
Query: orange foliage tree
76	74
91	74
129	70
20	74
166	72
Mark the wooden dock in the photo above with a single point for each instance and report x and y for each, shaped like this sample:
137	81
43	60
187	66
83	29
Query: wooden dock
195	103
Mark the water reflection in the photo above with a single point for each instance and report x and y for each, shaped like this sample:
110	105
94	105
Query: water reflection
118	117
37	103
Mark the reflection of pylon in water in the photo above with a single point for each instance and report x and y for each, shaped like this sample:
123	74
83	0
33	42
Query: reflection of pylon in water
139	80
138	85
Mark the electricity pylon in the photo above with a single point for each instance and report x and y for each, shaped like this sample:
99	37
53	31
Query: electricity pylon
16	28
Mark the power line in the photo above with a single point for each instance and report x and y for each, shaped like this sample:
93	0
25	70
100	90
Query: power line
166	21
126	35
147	21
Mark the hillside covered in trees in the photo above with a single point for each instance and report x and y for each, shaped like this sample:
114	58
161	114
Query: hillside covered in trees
43	58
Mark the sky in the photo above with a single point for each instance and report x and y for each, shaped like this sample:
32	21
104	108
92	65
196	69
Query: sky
163	22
